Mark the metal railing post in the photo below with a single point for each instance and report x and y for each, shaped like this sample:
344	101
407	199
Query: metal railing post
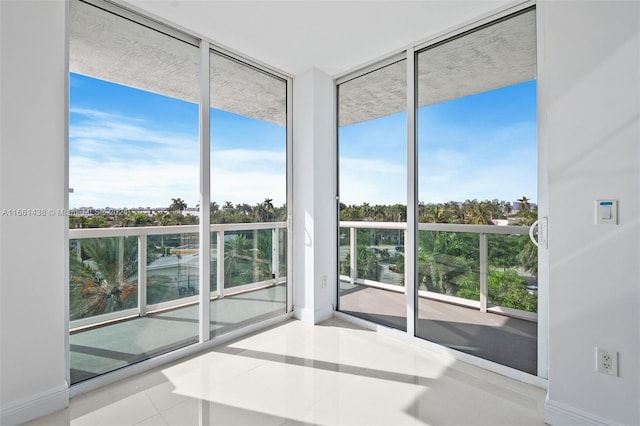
484	272
353	255
404	253
142	275
120	261
220	263
256	271
275	254
79	250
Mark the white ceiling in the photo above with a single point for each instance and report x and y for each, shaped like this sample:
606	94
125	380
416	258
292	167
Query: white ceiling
332	36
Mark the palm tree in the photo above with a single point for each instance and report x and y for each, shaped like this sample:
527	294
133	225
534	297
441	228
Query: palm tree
177	204
456	211
528	258
435	214
263	210
245	209
398	213
523	204
480	213
365	211
106	282
238	260
506	209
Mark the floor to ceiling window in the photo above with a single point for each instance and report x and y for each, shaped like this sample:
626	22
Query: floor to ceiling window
248	188
477	187
372	139
474	145
135	152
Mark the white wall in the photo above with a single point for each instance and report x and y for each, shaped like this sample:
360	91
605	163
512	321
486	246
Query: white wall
32	176
314	204
589	96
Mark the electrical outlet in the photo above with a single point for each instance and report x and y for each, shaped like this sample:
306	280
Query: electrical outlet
606	362
324	281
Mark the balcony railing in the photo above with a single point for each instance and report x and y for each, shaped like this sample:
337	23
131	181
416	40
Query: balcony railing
386	243
174	265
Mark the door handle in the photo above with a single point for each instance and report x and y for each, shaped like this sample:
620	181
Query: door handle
541	224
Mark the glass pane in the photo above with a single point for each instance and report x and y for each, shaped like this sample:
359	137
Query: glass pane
103	276
344	256
477	183
448	264
282	236
248	185
372	143
513	272
172	268
248	257
133	163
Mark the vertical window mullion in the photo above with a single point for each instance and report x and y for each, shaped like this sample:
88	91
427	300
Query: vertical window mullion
411	249
289	236
204	227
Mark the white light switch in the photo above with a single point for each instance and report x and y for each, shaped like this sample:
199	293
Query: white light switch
606	212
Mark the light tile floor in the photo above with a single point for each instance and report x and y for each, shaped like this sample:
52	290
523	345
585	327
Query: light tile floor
294	373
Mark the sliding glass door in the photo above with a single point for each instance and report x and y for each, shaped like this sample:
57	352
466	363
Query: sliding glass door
249	189
476	282
133	167
469	158
136	154
372	165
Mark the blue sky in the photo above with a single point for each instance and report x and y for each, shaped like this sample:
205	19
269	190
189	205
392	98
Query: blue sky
131	148
481	147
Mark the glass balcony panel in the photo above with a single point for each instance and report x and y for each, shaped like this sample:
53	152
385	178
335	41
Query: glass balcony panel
213	264
448	264
108	328
252	291
513	272
247	258
282	261
380	256
344	259
103	276
172	267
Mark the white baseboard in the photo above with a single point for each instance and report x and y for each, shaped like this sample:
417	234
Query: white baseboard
313	316
36	406
557	413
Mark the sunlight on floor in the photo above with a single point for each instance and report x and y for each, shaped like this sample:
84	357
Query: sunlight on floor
295	373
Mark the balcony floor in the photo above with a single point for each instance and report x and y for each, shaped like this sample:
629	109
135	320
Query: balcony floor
295	373
118	344
498	338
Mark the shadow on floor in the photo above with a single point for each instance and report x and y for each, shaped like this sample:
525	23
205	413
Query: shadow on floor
504	340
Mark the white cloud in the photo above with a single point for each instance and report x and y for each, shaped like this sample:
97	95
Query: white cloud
131	184
507	182
113	128
115	161
248	176
372	181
